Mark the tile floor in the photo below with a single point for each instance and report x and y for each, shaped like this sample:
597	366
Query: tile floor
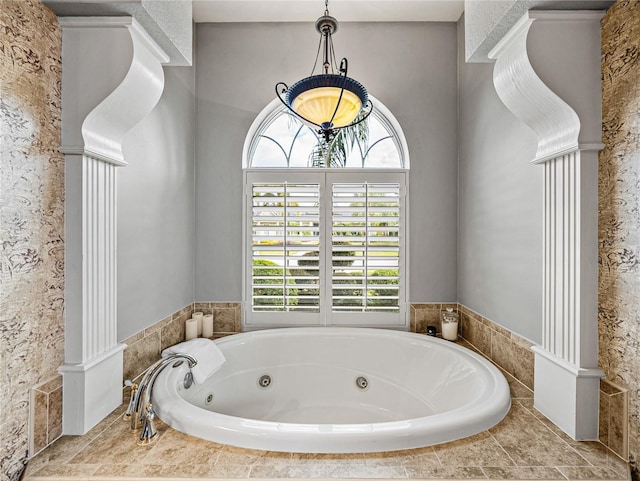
525	445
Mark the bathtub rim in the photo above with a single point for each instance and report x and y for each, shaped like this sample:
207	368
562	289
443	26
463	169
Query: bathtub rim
459	423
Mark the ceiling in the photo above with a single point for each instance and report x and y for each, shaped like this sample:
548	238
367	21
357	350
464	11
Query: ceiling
343	10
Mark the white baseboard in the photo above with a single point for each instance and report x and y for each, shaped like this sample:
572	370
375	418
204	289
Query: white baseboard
567	395
91	390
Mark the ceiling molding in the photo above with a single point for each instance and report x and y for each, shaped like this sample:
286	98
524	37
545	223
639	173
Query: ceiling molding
343	10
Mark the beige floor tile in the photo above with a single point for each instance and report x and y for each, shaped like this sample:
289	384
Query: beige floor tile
292	471
479	450
594	452
137	470
273	457
66	447
183	470
522	472
59	452
174	447
525	438
590	473
444	472
249	457
528	442
411	457
327	458
182	438
368	472
222	471
112	448
66	470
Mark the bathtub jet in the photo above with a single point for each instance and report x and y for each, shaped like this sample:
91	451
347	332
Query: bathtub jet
336	390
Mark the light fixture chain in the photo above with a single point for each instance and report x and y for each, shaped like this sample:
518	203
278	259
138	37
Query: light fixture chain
332	81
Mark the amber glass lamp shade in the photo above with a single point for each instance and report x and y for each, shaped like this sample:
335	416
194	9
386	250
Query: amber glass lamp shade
330	101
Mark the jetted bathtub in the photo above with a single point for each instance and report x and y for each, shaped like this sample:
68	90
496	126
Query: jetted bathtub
336	390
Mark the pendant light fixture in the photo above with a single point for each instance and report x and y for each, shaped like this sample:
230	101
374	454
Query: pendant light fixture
329	100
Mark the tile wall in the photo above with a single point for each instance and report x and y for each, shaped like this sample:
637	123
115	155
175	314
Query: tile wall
619	211
145	347
499	344
31	226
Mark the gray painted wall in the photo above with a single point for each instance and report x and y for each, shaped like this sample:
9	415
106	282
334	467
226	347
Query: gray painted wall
500	206
409	67
156	209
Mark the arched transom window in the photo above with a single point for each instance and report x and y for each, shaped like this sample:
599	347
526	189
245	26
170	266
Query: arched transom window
279	140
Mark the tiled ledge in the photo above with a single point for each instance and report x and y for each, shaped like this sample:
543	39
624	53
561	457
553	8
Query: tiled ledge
505	348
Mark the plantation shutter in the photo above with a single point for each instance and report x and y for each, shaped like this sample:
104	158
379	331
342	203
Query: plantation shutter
325	248
285	230
365	247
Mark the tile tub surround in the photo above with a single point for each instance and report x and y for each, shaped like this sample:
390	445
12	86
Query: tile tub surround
227	316
145	347
523	446
500	345
423	315
31	221
619	202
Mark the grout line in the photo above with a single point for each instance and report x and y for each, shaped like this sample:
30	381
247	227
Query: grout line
558	436
502	447
435	451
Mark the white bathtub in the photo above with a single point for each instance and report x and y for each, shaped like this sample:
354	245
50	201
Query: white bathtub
420	391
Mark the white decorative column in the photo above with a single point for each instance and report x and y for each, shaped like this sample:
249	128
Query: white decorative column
112	78
560	100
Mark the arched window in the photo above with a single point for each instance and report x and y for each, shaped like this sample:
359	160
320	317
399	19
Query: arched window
278	140
325	233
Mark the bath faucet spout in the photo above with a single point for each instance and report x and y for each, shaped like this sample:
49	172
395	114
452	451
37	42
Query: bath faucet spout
140	408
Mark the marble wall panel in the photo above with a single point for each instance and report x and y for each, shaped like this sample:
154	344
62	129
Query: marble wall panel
31	217
145	347
423	316
227	316
619	213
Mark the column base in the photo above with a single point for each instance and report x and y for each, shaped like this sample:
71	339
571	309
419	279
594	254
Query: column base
91	390
567	395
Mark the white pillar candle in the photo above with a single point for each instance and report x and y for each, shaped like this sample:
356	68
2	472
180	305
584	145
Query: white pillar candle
191	329
207	326
198	317
450	331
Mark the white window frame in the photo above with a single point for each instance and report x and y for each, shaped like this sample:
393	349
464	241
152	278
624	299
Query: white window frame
398	175
326	317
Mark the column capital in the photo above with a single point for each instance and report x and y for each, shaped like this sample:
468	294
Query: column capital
548	75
